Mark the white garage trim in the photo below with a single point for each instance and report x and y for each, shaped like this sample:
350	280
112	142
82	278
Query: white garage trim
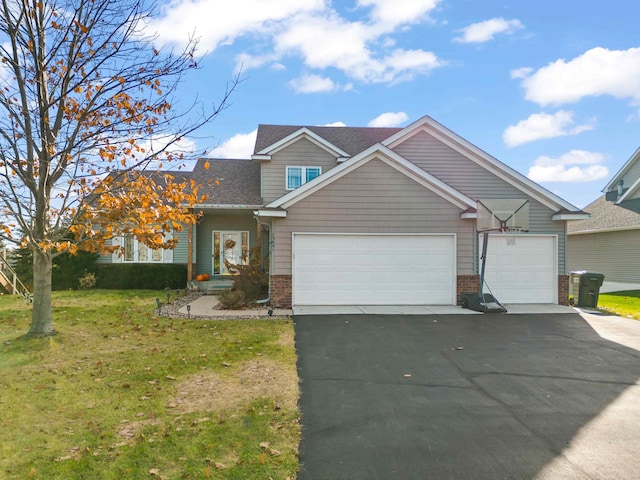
373	269
522	268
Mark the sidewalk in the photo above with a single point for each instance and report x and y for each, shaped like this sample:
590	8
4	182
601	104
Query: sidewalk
207	306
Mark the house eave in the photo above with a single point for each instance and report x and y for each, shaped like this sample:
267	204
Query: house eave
570	216
260	156
270	213
468	215
294	137
604	230
227	206
625	168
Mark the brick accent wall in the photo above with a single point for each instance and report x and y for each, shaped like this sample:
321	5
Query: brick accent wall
467	284
280	291
563	289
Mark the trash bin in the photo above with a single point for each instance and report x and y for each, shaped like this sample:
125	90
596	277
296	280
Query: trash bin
586	288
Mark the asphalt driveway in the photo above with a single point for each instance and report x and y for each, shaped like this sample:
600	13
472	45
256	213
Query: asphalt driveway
467	397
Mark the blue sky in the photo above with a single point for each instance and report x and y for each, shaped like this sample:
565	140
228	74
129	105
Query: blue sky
552	89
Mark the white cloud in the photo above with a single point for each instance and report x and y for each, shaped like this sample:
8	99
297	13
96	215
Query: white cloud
217	23
330	41
389	119
542	125
313	84
335	124
485	31
239	146
361	48
572	167
521	72
391	13
598	71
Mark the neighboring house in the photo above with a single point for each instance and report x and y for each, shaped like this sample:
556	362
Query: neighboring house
375	216
608	241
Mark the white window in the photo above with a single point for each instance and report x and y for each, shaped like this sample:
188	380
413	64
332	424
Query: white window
298	176
137	252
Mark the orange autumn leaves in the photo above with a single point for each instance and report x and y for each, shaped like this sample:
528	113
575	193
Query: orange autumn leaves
143	204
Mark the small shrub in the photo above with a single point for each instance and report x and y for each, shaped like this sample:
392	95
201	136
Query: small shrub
249	280
232	299
87	281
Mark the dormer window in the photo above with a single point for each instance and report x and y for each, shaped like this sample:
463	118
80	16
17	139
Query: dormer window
298	176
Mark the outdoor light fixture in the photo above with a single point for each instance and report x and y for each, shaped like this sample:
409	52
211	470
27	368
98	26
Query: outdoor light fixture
188	311
168	297
158	304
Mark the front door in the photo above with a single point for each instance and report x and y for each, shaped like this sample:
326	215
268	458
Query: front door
229	248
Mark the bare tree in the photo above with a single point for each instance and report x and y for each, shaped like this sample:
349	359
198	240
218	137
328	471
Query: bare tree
85	104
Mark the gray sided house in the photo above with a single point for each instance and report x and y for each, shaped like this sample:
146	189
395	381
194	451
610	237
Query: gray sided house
378	216
608	241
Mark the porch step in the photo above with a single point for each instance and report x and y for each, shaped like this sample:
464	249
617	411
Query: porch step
213	286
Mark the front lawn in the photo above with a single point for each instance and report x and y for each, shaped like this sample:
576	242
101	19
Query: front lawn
625	304
120	393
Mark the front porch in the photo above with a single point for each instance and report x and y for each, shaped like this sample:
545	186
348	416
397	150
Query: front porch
221	236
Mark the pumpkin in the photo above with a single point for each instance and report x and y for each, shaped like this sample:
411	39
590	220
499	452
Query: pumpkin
200	278
206	277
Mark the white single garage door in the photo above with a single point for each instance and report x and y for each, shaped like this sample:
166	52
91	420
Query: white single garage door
522	268
350	269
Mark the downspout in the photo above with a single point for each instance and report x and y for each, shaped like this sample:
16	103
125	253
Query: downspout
269	225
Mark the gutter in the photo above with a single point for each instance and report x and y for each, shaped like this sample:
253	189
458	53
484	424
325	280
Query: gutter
269	224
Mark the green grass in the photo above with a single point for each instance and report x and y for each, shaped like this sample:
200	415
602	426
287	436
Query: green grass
625	303
119	393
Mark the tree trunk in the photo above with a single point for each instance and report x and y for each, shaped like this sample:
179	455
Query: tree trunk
41	317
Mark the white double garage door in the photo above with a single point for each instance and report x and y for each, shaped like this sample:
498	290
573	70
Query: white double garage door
398	269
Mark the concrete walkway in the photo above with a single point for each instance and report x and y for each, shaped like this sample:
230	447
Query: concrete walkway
208	306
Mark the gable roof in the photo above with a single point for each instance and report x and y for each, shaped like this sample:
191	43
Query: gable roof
392	159
350	140
490	163
613	183
629	192
229	181
605	217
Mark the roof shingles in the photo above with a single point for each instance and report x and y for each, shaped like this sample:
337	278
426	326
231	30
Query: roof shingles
229	181
352	140
605	215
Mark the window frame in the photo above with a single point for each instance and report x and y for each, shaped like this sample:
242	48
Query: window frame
304	171
135	257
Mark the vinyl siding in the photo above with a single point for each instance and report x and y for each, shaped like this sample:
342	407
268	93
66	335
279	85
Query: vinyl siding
615	254
182	248
220	222
302	153
375	198
458	171
454	169
105	258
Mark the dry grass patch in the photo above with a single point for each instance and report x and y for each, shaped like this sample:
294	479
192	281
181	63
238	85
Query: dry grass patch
217	392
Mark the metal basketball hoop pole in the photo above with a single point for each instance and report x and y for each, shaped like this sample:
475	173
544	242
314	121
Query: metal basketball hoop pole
482	302
507	214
